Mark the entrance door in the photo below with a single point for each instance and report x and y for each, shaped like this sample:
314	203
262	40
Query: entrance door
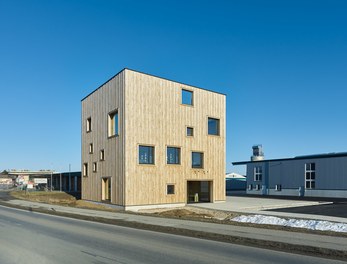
106	189
199	191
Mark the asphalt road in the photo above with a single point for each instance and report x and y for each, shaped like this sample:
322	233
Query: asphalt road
336	209
28	237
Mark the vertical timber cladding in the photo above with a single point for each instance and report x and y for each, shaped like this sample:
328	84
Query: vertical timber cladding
97	106
156	117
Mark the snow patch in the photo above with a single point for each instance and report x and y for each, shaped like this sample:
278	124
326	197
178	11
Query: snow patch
299	223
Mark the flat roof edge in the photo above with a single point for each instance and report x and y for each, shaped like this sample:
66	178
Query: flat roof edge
308	157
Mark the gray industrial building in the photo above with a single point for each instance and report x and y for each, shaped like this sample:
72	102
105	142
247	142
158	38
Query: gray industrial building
322	175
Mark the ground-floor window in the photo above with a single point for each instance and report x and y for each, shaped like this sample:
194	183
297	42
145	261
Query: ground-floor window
106	189
310	175
170	189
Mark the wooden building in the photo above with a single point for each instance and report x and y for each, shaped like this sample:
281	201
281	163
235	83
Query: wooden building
149	142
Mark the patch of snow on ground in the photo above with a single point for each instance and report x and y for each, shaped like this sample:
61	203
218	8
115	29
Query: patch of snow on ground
299	223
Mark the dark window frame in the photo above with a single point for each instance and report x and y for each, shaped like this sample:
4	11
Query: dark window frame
151	155
187	101
213	131
89	125
102	155
113	123
177	159
85	169
91	148
192	130
201	166
170	189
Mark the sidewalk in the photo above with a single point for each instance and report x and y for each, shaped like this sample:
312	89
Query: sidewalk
297	238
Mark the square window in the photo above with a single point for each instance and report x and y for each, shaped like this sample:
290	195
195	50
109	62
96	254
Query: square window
213	126
89	124
187	97
190	131
170	189
91	148
173	155
197	160
113	126
102	155
85	169
95	167
146	155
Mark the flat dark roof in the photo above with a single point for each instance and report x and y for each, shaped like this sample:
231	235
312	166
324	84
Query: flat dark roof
152	76
314	156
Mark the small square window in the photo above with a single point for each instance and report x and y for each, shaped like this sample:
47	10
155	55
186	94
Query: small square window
146	155
102	155
190	132
89	124
170	189
113	126
187	97
197	160
213	126
91	148
85	169
95	167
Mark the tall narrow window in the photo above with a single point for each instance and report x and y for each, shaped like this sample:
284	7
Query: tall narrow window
187	97
310	175
102	155
91	148
113	126
173	155
197	160
95	167
85	169
89	124
258	173
213	126
190	132
146	155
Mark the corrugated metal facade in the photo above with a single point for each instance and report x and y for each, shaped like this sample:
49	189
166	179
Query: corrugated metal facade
289	176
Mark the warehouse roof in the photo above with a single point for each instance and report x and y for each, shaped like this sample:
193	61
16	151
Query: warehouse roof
314	156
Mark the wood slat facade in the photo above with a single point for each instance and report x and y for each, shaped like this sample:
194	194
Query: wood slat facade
151	113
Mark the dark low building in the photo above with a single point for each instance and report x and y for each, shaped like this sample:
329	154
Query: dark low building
321	175
69	182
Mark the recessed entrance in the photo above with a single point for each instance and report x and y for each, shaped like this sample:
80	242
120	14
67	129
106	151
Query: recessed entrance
199	191
106	189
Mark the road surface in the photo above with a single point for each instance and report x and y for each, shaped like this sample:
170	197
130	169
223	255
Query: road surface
28	237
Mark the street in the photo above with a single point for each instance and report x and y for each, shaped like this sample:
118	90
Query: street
28	237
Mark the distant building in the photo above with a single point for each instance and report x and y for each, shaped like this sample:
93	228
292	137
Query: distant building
322	175
235	182
45	179
149	142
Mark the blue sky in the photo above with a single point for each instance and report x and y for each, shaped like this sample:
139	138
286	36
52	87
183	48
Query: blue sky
282	64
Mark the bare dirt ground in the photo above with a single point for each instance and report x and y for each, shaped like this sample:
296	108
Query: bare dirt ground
59	198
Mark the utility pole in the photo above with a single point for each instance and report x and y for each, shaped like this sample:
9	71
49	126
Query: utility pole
69	177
